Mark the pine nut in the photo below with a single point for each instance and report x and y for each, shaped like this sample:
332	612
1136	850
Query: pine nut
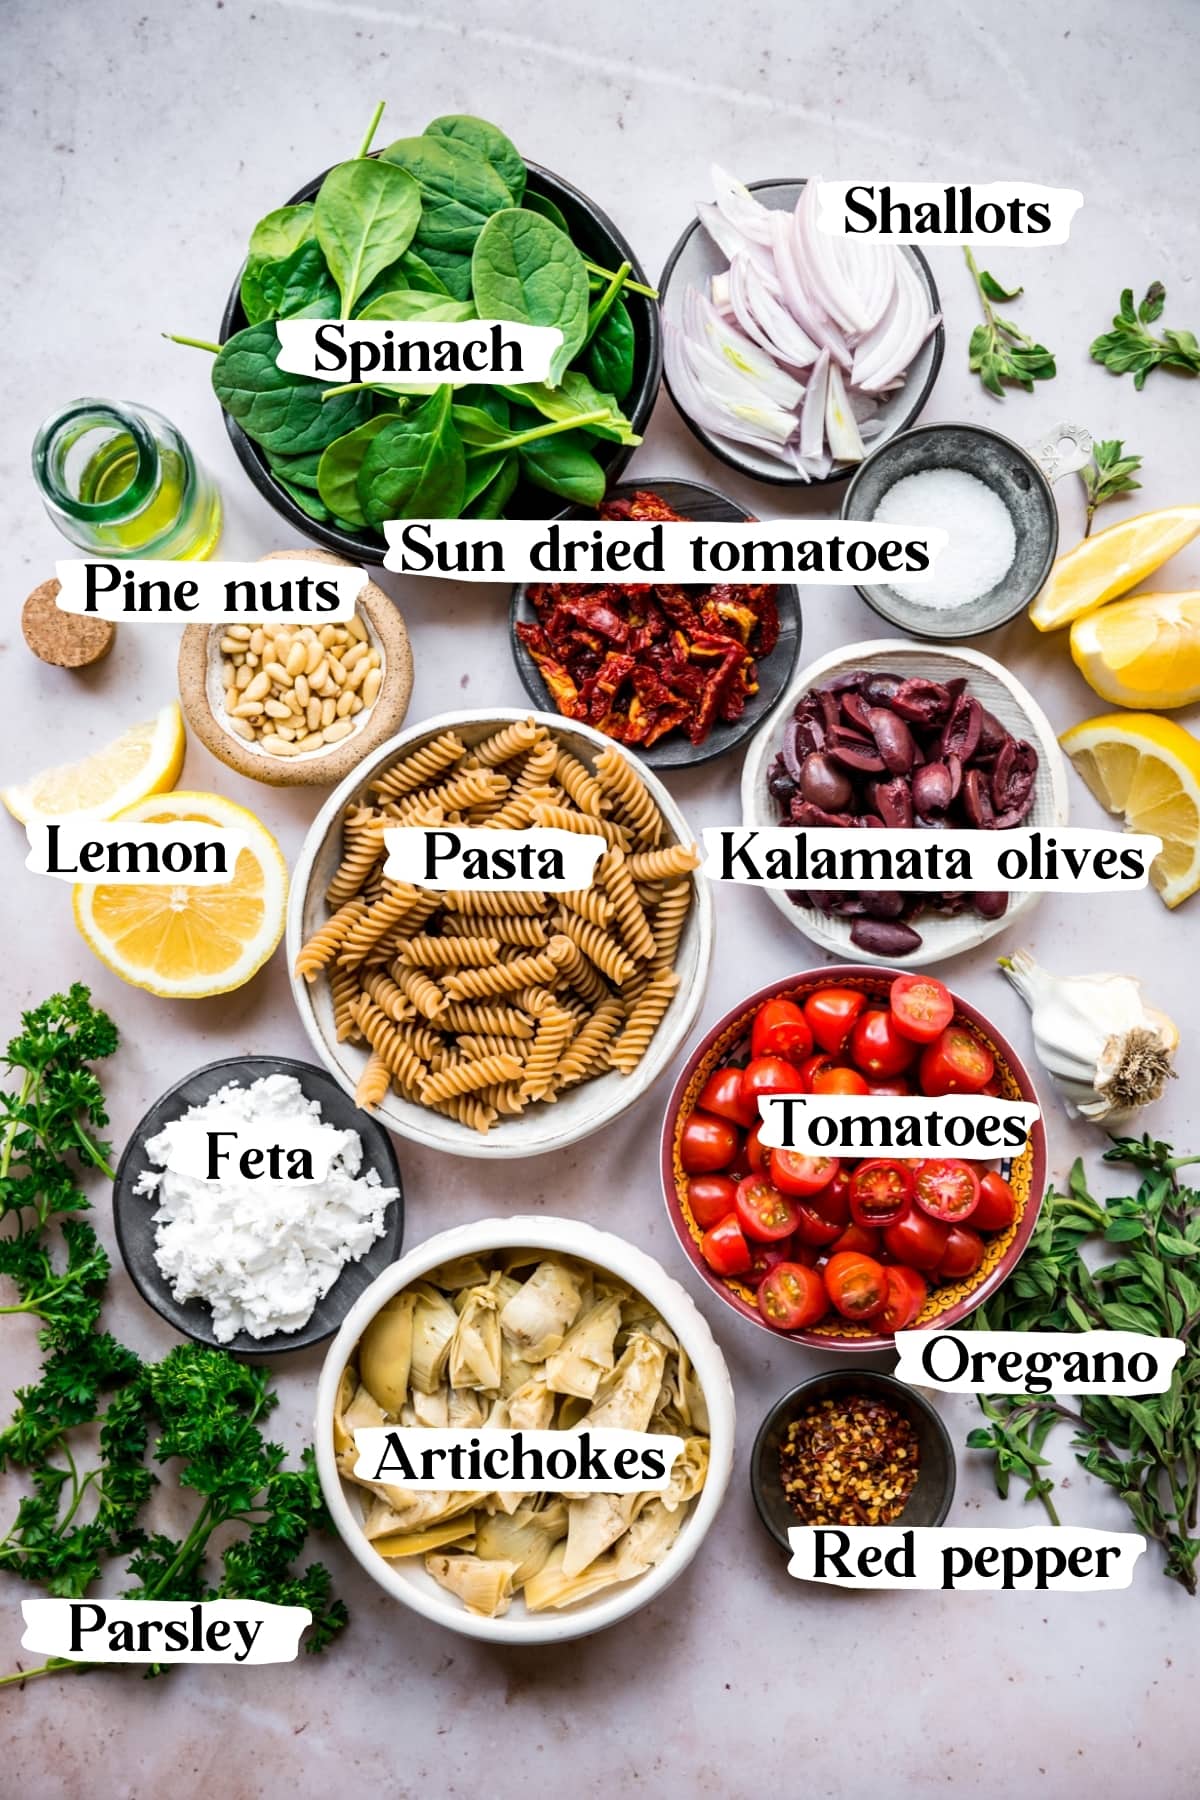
328	711
313	741
277	672
230	646
277	746
277	710
371	686
241	728
257	638
333	733
313	713
242	632
249	709
325	636
242	679
314	657
302	692
344	704
289	687
297	657
259	687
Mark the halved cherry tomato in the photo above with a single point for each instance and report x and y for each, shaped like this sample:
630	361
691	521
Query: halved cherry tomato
831	1012
956	1063
792	1297
810	1066
946	1189
921	1007
837	1080
798	1173
769	1075
722	1094
997	1207
710	1198
856	1284
916	1239
765	1257
764	1213
833	1202
906	1293
896	1089
781	1029
706	1144
880	1191
963	1253
877	1048
858	1237
724	1248
756	1151
813	1228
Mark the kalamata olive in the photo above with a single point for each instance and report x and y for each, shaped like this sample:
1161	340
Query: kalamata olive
992	734
990	905
977	800
805	813
956	773
856	711
822	782
885	937
894	800
877	690
780	785
921	702
932	788
882	906
860	759
791	751
893	739
960	734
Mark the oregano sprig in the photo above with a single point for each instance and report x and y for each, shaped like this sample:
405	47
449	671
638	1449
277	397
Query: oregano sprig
1107	476
1000	353
1130	349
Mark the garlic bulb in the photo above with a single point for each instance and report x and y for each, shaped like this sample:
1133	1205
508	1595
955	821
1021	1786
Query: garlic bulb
1108	1052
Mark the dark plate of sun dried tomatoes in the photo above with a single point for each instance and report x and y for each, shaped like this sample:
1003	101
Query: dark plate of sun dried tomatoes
677	674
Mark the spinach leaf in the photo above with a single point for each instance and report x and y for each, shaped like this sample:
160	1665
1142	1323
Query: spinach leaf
452	268
408	271
306	500
416	467
296	471
337	475
539	203
488	399
459	190
413	303
526	270
273	238
299	285
365	216
280	411
487	141
482	470
573	398
610	355
491	500
565	466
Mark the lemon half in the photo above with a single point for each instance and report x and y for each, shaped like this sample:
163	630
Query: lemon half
1148	770
185	942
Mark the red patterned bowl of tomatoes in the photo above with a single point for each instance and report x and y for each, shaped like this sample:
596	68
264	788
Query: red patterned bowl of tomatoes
842	1252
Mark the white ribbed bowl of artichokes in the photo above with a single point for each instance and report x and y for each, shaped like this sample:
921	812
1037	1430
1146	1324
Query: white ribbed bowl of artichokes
534	1323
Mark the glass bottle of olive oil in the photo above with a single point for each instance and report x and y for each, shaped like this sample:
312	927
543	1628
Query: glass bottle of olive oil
118	479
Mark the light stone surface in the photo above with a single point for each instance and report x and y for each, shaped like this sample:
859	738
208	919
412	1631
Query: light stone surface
141	140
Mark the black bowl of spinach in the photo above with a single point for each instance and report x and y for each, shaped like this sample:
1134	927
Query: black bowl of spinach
355	453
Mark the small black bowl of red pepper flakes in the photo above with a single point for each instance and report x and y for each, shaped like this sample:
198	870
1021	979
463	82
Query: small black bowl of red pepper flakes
851	1447
677	674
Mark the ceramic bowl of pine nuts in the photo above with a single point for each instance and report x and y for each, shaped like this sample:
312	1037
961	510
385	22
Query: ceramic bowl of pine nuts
294	702
508	1023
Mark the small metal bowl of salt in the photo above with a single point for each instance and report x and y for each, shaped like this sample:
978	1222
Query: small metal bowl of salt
992	497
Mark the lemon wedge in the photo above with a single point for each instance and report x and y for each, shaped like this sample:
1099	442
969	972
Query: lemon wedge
1144	651
146	759
185	942
1148	770
1101	567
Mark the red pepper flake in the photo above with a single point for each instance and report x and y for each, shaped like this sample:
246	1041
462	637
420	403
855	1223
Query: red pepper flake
849	1461
639	662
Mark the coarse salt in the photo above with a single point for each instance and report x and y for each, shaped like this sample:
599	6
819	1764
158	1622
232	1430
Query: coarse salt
982	539
260	1252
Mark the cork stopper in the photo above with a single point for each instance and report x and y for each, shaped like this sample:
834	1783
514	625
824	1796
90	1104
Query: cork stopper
68	640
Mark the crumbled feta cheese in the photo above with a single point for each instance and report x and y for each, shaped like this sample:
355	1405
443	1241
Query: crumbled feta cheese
259	1252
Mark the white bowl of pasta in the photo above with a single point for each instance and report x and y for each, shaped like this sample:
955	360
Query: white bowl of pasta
499	1024
540	1568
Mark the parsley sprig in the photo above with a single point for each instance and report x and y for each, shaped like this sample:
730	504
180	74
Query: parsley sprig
198	1411
1107	476
1000	353
1130	349
1147	1448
